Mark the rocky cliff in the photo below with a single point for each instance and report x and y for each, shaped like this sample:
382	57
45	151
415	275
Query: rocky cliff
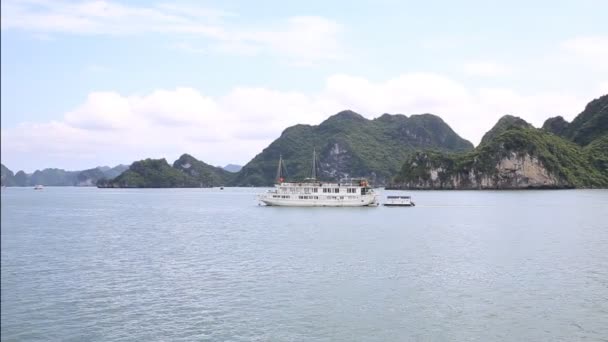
515	155
349	145
513	171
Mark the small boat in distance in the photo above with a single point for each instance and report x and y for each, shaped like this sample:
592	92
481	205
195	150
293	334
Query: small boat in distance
310	192
399	201
38	187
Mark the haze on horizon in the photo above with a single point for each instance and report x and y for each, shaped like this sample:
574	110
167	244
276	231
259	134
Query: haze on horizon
88	83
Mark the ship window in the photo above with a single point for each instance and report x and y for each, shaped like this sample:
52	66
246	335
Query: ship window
341	197
362	191
336	190
314	190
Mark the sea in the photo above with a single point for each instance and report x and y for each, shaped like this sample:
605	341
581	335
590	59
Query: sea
88	264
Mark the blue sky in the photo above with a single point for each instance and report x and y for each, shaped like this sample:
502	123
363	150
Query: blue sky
106	82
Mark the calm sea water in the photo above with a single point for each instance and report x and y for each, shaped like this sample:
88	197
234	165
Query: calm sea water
83	264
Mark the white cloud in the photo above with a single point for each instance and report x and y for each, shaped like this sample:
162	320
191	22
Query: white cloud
487	69
300	40
101	111
109	127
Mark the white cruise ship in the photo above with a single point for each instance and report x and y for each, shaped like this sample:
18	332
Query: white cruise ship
314	193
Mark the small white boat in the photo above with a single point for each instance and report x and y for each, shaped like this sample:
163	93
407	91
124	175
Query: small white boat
399	201
38	187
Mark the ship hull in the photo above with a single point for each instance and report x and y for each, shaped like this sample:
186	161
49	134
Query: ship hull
363	201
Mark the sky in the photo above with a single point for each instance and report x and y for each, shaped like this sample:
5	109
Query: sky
88	83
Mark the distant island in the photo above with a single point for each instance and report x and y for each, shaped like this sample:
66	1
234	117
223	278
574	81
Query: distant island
186	172
232	168
60	177
397	151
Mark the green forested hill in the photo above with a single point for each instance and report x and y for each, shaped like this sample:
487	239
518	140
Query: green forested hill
150	173
186	172
514	154
205	174
349	145
504	123
590	124
7	178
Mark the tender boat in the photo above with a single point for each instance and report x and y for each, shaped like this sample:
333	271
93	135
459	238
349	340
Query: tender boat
399	201
38	187
354	192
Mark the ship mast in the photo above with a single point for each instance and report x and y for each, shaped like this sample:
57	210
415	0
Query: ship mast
280	170
314	167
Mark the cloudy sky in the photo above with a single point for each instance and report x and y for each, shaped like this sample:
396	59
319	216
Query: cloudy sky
87	83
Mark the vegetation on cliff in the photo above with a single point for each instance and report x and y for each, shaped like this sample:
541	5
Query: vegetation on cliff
186	172
150	173
569	164
589	125
597	154
556	125
558	155
505	123
205	174
349	145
